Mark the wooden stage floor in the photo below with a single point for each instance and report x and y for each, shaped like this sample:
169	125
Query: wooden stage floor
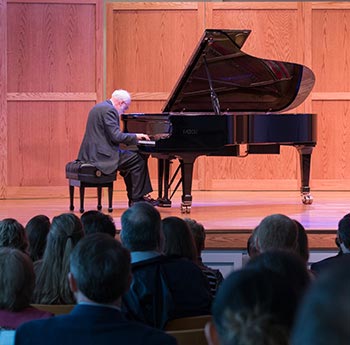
229	217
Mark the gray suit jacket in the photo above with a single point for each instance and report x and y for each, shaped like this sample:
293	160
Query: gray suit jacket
100	145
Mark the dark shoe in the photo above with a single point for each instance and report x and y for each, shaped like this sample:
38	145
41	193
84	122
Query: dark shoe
146	198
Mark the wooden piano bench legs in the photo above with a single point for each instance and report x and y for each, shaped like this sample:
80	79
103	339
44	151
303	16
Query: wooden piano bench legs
85	175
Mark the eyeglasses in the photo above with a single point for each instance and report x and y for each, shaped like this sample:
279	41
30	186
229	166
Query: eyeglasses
126	105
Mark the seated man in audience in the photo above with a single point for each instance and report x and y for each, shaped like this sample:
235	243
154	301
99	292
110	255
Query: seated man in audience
99	275
325	313
276	231
162	288
96	221
252	307
343	243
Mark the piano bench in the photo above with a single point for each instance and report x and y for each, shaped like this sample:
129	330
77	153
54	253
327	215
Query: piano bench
85	175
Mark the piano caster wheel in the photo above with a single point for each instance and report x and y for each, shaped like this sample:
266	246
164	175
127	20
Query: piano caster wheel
185	209
99	207
307	199
71	208
110	209
81	210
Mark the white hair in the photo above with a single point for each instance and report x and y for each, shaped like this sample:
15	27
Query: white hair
121	95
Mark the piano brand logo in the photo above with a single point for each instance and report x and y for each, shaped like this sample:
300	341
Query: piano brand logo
190	131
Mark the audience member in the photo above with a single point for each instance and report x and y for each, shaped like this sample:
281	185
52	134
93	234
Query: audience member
12	234
51	272
343	243
16	285
162	288
96	221
214	276
37	230
276	231
178	239
325	313
99	275
252	307
289	265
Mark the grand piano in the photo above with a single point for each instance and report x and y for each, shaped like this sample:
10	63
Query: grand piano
227	103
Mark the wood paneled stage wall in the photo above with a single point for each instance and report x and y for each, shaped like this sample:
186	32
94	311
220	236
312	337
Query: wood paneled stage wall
52	71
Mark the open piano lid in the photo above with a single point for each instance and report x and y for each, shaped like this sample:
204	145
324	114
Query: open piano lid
220	78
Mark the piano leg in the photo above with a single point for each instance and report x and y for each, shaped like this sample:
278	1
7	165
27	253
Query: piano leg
305	164
163	178
186	162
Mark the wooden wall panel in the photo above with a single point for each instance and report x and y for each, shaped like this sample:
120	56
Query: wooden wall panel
50	47
330	49
44	137
55	55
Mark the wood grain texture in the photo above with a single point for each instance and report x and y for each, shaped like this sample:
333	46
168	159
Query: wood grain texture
55	68
228	217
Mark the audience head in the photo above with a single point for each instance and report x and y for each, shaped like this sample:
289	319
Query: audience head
37	230
324	315
100	269
252	307
303	243
96	221
178	238
276	231
289	265
343	233
12	234
251	249
198	233
16	279
51	281
141	228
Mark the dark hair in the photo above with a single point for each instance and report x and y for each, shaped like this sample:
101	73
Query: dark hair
16	279
324	315
51	276
37	230
12	234
254	307
198	233
178	238
344	230
289	265
96	221
101	267
141	228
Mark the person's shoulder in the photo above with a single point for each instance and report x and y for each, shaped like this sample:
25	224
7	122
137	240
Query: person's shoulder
153	336
322	264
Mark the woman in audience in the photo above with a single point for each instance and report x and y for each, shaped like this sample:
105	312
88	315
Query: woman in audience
51	272
179	242
214	276
16	289
12	234
37	230
178	239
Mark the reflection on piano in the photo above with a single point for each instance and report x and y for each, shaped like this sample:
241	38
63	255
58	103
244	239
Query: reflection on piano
224	100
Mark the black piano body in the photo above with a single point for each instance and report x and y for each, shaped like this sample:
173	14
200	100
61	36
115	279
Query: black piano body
228	103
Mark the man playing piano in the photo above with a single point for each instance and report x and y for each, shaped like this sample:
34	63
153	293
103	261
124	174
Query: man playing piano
101	147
